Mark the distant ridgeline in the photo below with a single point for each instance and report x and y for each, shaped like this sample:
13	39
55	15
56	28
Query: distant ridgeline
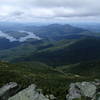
52	58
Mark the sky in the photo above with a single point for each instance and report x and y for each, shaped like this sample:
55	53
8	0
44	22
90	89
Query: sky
49	10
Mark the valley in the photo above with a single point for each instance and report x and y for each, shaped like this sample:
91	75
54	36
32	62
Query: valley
51	56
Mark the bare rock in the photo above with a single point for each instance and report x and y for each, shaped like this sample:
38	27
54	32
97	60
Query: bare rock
30	93
7	90
79	90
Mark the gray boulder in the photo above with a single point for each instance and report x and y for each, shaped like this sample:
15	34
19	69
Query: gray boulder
87	89
30	93
82	90
7	90
73	92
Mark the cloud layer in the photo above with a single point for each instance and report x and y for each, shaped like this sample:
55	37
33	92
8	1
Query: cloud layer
29	35
49	10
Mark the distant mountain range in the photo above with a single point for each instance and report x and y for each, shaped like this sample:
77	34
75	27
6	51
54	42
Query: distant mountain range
51	56
94	27
65	52
53	32
53	44
59	32
59	53
12	35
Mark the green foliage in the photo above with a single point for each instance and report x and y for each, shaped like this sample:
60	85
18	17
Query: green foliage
53	66
66	52
50	79
89	69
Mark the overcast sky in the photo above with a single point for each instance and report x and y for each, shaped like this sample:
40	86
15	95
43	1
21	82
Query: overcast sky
49	10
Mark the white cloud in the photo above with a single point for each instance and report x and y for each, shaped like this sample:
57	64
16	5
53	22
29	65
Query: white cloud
42	10
4	35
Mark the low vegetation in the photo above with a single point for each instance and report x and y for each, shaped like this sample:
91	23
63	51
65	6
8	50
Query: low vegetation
53	80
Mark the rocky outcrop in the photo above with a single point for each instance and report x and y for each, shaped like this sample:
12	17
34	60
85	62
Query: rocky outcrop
30	93
7	90
84	91
77	91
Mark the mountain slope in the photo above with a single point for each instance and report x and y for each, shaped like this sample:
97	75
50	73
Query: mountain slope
72	48
51	32
58	31
47	79
67	53
50	80
87	68
6	44
24	49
